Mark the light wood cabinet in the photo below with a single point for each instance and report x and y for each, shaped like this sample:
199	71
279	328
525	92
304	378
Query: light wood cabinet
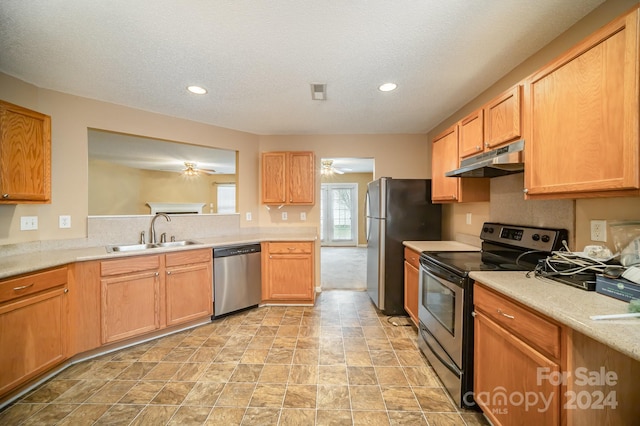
411	281
288	178
472	134
288	273
33	326
503	118
444	159
25	155
582	134
515	352
189	285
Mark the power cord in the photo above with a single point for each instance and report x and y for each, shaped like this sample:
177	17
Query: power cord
566	262
397	324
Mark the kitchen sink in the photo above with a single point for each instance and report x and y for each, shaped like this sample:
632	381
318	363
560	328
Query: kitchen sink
135	247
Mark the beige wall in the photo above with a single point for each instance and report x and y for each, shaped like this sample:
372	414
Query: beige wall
361	179
585	210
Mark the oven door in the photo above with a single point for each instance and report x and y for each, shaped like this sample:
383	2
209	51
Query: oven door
440	308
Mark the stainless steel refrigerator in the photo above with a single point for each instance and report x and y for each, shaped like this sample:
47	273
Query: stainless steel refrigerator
397	210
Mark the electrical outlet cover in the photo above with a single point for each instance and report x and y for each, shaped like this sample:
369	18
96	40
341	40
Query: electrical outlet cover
599	230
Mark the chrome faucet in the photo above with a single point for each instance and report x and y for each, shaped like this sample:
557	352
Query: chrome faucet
152	239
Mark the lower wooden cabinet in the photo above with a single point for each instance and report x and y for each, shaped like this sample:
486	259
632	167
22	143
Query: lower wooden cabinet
288	272
188	286
33	326
513	378
411	279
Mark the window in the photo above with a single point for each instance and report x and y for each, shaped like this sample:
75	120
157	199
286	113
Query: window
226	198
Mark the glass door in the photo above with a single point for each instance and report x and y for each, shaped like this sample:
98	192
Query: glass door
338	214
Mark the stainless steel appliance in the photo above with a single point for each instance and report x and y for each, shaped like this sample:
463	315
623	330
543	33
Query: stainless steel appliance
446	296
497	162
396	210
236	278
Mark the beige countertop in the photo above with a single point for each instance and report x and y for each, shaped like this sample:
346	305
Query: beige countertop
37	260
570	306
421	246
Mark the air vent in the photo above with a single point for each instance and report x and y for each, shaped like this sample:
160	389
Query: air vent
318	91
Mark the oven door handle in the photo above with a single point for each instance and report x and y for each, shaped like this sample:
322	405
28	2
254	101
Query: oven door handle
426	336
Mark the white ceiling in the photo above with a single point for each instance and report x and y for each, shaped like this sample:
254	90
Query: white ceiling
257	58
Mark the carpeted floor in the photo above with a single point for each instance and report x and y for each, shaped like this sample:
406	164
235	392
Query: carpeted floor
343	268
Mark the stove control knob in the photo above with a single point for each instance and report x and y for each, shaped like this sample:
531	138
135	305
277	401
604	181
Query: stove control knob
545	238
488	230
535	237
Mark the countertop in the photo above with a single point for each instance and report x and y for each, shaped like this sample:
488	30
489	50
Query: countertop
421	246
34	261
569	306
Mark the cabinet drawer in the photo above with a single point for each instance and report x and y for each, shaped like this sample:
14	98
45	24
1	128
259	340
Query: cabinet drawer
412	257
290	247
129	265
524	323
33	283
188	257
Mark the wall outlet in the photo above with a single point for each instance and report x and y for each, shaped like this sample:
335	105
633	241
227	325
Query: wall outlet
64	221
599	230
303	216
284	216
248	217
28	223
468	218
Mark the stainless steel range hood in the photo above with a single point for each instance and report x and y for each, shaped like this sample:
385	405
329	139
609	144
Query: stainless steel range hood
501	161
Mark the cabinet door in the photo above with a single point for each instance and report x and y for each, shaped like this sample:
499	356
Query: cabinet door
472	134
189	293
32	336
411	276
445	159
130	305
289	277
509	378
503	118
583	108
25	155
274	177
301	178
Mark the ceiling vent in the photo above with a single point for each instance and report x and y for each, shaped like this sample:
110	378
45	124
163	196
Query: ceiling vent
318	91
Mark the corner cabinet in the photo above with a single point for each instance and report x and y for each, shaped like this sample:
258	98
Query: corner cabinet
288	272
288	178
411	279
25	155
582	109
444	159
514	349
33	326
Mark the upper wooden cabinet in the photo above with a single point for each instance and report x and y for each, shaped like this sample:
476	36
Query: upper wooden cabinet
444	159
25	155
581	139
288	178
495	124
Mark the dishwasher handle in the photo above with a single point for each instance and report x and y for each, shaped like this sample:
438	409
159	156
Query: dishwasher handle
236	250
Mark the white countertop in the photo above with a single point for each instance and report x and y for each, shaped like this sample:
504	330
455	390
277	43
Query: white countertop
34	261
421	246
569	306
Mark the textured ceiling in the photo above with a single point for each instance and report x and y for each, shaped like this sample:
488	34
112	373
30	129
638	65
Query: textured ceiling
257	58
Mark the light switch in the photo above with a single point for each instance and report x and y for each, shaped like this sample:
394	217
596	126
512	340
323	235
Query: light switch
284	216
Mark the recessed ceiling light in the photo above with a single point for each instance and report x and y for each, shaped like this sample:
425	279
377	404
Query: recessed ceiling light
197	90
387	87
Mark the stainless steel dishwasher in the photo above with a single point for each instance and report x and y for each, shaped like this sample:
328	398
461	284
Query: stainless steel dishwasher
236	278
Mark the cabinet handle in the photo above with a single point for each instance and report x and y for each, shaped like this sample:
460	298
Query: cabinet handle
66	290
5	195
478	147
525	190
168	272
486	144
22	287
157	273
270	257
506	315
291	248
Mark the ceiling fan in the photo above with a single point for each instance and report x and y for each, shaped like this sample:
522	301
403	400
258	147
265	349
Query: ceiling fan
328	168
190	169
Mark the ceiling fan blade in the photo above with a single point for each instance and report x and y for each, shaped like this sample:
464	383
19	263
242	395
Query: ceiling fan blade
340	172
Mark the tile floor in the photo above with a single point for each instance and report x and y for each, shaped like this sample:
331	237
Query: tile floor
337	363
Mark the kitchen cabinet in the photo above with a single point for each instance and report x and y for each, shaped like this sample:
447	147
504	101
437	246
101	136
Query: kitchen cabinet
33	326
444	159
288	273
582	109
411	278
189	278
146	293
25	155
471	134
516	352
288	178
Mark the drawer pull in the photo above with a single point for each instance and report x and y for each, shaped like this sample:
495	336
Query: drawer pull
291	248
22	287
505	315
